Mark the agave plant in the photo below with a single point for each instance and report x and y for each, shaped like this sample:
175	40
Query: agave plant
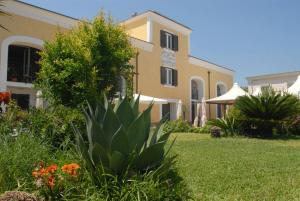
119	141
267	110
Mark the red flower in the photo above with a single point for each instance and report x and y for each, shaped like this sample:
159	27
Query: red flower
5	97
70	169
52	168
51	182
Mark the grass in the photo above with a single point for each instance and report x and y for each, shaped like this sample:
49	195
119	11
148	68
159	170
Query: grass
239	168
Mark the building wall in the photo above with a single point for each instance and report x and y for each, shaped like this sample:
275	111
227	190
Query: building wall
149	74
150	61
137	29
22	31
280	81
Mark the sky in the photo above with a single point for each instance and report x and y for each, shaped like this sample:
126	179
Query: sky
252	37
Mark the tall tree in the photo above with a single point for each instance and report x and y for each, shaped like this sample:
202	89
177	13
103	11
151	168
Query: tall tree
85	62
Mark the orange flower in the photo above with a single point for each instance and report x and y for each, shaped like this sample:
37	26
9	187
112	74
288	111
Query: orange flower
52	168
44	172
51	182
70	169
35	174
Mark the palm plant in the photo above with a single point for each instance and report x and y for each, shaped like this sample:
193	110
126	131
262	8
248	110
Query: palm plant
119	141
268	109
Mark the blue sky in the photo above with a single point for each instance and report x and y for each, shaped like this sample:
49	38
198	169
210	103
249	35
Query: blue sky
250	36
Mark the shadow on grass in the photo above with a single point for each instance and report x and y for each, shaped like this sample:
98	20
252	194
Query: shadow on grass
275	137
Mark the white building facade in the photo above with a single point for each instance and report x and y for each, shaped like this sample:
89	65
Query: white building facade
278	81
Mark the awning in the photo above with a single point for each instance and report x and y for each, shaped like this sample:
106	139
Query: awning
229	97
295	88
149	99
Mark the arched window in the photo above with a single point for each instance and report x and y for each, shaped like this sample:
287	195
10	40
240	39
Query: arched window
197	93
22	63
221	89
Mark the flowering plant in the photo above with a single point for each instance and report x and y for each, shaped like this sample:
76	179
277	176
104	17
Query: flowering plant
51	180
5	97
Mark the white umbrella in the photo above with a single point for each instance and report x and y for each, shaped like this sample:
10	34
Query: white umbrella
229	97
197	118
295	88
257	91
149	99
179	109
203	117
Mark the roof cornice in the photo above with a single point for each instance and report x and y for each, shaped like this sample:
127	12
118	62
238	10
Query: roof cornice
161	19
211	66
273	75
37	13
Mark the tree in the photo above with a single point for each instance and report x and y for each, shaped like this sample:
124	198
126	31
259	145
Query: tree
85	62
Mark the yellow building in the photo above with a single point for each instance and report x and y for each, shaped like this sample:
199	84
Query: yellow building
164	66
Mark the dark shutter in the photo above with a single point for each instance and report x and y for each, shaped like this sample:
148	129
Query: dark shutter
163	75
162	39
175	42
174	77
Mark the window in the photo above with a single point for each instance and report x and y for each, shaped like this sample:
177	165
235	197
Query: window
168	40
166	109
168	76
197	93
22	63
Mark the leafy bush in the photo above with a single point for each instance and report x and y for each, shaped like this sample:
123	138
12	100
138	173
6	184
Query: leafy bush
182	126
266	111
178	126
17	158
51	125
84	63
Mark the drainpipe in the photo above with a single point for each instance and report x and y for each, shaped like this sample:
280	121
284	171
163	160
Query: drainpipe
209	112
137	73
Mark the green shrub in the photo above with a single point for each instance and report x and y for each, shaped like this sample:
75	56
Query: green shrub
51	125
183	126
84	63
267	111
178	126
17	160
205	129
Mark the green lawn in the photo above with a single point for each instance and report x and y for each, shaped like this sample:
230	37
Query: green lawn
239	168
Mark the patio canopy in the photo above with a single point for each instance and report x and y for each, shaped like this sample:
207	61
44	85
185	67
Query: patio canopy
295	88
149	99
229	97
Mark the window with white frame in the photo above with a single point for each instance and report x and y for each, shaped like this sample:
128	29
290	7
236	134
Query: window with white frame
168	76
169	41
